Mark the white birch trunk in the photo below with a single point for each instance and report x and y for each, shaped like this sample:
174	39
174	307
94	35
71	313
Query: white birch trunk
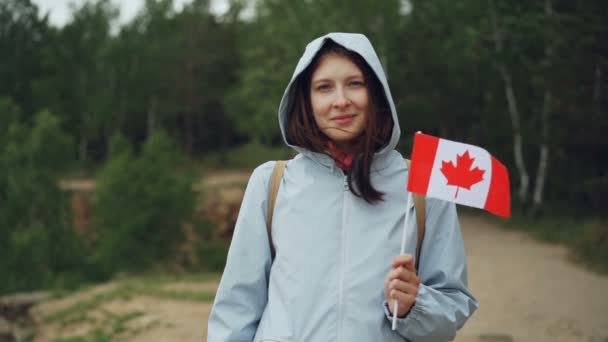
597	85
543	160
151	117
524	179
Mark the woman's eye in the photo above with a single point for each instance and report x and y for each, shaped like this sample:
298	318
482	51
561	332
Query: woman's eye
357	84
324	87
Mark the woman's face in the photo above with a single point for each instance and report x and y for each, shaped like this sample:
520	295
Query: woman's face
339	99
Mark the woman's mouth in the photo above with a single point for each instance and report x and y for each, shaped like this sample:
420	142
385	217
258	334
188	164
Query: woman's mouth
344	119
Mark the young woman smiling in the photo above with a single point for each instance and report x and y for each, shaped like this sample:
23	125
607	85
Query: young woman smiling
332	264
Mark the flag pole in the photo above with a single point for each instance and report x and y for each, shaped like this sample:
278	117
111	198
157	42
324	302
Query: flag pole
407	214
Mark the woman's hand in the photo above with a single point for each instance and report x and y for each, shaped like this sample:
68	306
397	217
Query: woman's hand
401	284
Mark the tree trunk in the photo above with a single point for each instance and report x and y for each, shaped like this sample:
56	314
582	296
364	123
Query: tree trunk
597	86
513	109
189	121
543	160
151	117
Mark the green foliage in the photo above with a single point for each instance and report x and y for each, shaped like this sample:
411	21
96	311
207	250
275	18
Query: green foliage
29	249
24	34
139	207
247	156
80	82
591	245
34	233
9	114
213	255
119	146
214	82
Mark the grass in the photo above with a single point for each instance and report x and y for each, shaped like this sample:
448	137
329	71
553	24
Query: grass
113	326
150	285
164	278
77	312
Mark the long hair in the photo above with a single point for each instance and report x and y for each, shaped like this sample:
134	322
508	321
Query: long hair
302	129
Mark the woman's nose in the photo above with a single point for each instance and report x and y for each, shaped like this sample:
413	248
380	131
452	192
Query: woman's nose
341	100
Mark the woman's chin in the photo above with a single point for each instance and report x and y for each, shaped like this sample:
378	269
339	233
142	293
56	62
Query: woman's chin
343	143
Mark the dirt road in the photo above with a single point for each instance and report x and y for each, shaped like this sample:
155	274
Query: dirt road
529	291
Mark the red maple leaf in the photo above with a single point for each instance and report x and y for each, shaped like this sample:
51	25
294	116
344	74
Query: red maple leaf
461	175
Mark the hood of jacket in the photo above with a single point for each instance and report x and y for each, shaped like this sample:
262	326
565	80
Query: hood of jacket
352	41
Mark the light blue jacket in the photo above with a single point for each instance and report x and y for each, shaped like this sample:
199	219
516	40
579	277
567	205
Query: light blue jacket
334	250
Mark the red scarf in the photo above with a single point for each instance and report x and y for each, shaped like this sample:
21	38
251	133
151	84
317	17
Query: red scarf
343	160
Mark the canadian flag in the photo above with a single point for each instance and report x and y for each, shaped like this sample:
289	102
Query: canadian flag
460	173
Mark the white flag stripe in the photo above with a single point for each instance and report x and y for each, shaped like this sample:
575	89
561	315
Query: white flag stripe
448	151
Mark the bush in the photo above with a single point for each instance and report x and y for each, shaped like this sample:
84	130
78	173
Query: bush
248	156
34	230
591	245
140	205
213	256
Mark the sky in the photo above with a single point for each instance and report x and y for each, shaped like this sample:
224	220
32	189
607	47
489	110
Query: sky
59	10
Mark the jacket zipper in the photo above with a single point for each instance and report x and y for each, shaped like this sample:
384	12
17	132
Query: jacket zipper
342	258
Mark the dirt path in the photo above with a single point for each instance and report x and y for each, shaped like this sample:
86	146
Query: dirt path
528	291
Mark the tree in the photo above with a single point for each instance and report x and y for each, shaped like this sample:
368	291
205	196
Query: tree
85	78
23	36
140	205
34	232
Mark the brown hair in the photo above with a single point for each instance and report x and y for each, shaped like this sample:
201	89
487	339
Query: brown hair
302	129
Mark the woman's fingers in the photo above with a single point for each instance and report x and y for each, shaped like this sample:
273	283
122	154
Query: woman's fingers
402	283
404	260
404	287
405	302
402	274
403	297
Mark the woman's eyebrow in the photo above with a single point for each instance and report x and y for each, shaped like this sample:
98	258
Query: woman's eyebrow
349	77
321	80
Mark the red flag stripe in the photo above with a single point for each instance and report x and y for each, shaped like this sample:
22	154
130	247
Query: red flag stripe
423	158
499	196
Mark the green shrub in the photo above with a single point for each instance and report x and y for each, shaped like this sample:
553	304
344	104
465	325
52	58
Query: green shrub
9	114
37	244
591	245
247	156
212	255
140	205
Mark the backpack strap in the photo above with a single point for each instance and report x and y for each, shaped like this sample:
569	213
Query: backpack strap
420	208
275	182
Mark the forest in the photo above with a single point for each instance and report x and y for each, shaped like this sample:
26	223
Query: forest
148	107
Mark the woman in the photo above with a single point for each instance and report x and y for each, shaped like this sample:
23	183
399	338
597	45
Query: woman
336	227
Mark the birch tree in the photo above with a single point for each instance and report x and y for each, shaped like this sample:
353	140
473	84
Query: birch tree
513	108
543	159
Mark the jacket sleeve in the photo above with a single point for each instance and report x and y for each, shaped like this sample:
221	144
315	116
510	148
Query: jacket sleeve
444	302
243	290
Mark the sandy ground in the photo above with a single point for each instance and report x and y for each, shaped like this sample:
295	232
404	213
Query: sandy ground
529	291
